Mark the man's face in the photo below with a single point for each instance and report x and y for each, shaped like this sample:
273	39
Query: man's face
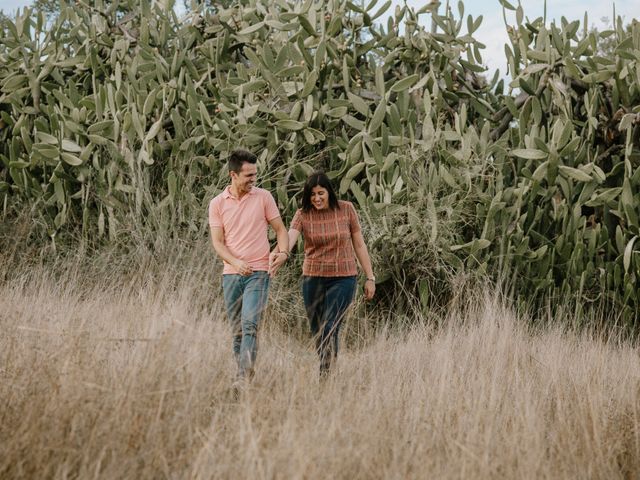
246	178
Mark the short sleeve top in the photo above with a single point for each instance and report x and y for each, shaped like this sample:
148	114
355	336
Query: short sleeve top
328	246
245	223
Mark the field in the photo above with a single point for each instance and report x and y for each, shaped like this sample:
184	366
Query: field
116	375
115	128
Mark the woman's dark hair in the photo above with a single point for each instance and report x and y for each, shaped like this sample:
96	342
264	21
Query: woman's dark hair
238	157
318	179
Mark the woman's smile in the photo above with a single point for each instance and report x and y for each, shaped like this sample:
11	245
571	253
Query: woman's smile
319	197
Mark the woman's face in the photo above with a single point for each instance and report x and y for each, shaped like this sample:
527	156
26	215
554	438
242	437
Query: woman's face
319	197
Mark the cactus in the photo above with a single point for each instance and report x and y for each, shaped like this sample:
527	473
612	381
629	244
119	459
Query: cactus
110	115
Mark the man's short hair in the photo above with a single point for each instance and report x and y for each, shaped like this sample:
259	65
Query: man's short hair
238	157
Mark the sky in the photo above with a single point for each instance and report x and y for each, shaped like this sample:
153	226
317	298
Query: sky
492	32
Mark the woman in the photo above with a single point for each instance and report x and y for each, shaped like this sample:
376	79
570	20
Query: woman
332	242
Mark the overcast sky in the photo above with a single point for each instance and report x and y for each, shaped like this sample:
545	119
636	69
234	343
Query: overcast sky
492	32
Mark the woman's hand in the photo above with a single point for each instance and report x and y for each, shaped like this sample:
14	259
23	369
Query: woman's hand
369	288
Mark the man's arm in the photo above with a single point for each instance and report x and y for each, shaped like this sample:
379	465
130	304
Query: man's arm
281	252
217	239
281	234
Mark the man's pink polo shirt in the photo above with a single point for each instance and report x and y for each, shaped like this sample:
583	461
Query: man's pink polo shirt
245	223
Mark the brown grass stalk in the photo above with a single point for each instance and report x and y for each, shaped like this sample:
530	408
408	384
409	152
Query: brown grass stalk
105	382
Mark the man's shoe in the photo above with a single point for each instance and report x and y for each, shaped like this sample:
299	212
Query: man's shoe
238	387
236	390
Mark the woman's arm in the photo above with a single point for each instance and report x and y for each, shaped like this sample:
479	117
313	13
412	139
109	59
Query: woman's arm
362	254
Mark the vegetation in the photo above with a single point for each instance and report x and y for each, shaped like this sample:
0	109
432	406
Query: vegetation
132	380
122	114
115	359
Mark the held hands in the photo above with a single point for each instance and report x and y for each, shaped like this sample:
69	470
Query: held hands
276	260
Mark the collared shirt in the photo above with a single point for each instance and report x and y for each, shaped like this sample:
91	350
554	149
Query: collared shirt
328	245
245	222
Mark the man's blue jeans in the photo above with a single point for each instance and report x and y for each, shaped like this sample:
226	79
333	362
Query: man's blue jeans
326	300
245	298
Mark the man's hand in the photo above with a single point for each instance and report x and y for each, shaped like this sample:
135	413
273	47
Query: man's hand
242	267
276	260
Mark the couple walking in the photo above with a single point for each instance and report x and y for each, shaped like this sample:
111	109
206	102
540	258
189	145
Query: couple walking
239	218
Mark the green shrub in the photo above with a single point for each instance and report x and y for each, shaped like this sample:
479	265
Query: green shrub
118	118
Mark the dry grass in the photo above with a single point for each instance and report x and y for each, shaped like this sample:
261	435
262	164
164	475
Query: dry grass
115	381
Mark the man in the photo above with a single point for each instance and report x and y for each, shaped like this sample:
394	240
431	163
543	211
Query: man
239	219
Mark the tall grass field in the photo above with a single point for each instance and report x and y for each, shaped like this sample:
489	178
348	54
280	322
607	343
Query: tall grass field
128	375
116	122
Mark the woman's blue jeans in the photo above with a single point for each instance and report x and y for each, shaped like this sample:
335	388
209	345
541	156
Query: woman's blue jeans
326	300
245	298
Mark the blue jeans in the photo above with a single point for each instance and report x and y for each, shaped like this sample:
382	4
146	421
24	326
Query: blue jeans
326	300
245	298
